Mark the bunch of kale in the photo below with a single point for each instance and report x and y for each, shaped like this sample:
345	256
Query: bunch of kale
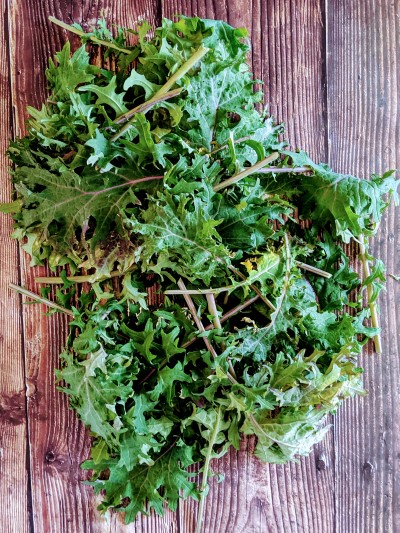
161	170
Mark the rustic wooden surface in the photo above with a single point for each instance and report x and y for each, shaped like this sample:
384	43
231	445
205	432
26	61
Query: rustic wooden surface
331	74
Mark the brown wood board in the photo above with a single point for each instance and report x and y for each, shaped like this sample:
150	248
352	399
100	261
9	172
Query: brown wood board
331	74
14	488
363	53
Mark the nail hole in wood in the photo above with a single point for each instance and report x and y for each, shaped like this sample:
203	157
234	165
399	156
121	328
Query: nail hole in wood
50	457
322	463
368	469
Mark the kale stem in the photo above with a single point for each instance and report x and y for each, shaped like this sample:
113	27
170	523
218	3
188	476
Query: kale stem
313	269
40	299
219	290
212	308
92	38
371	304
206	292
232	312
152	371
275	170
286	282
171	292
237	309
55	280
182	70
200	326
246	172
198	322
206	469
145	106
284	170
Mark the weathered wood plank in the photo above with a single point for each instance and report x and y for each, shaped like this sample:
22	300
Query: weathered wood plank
58	442
14	478
288	56
363	80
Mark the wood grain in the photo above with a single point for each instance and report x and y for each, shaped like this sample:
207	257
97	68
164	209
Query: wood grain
363	84
14	488
288	47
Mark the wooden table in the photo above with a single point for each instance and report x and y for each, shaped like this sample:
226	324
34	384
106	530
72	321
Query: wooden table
332	74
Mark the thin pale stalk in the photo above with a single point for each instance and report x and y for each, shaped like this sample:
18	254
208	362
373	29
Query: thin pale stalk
372	305
235	310
206	469
182	70
129	183
40	299
143	108
92	38
286	282
313	269
200	326
198	322
247	172
212	308
275	170
241	276
232	312
56	280
284	170
227	288
219	290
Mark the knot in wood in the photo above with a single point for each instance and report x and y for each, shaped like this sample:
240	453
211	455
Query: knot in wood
322	462
368	470
50	457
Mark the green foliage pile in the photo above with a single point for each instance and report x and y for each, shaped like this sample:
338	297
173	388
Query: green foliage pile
163	170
